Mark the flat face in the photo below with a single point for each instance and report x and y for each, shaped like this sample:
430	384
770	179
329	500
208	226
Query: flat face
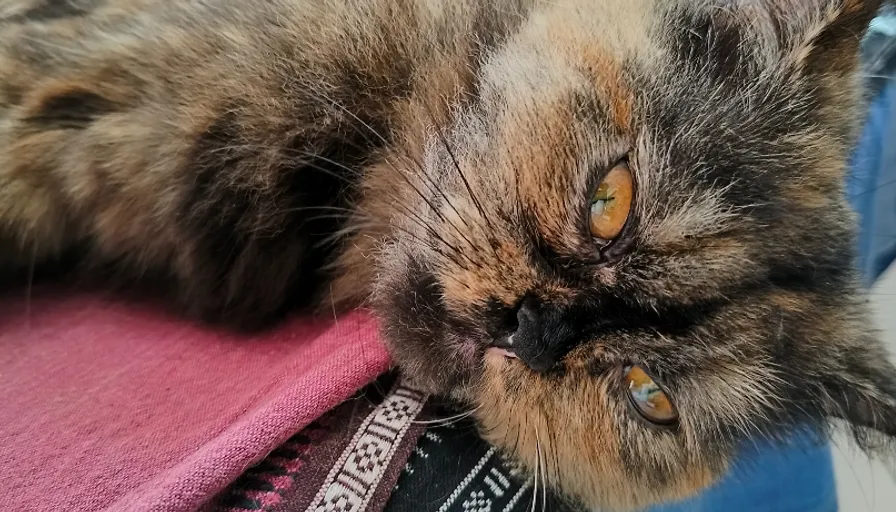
614	230
637	193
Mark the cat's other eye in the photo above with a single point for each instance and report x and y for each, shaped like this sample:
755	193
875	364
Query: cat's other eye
648	399
611	203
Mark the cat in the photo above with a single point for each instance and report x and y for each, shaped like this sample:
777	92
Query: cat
613	230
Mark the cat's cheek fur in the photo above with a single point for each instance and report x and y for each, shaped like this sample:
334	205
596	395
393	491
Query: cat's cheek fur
430	348
572	433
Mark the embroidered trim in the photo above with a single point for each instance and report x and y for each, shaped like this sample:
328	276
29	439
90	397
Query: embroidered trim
519	494
487	491
467	481
356	475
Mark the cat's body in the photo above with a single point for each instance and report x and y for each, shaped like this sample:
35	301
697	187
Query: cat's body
436	159
200	156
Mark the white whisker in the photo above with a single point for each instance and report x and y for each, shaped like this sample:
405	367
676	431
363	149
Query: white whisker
442	422
538	469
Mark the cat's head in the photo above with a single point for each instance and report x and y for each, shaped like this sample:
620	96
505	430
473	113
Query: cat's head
643	202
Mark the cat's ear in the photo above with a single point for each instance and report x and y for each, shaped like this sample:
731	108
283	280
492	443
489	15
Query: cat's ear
860	388
812	35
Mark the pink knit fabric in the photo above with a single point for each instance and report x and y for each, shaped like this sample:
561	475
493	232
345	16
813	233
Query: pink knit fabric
119	406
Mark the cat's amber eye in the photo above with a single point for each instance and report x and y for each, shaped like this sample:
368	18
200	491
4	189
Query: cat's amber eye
648	398
612	203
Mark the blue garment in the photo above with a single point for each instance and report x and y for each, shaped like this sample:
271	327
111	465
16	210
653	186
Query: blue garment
800	476
796	478
872	187
872	184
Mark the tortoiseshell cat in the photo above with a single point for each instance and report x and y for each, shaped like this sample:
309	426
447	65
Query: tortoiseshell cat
552	206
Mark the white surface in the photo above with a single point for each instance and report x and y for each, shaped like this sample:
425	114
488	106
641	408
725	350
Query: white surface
864	485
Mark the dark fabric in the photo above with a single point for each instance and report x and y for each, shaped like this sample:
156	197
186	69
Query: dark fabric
348	460
384	451
454	470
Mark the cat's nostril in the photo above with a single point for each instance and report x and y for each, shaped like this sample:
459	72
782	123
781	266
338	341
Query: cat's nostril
528	332
527	315
535	333
510	323
502	321
521	317
543	335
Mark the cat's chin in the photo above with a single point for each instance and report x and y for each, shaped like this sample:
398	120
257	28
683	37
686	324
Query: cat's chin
462	383
453	374
498	354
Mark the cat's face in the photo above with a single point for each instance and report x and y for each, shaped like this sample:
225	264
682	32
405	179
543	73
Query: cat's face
643	197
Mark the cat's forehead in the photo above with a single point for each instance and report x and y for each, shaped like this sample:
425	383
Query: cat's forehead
613	53
620	26
597	38
670	41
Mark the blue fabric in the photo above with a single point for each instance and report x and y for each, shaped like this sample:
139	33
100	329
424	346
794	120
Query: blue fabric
799	477
872	187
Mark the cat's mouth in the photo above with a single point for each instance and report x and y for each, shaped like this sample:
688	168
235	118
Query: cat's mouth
503	348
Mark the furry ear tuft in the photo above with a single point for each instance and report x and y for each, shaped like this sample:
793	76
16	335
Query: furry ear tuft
812	46
863	393
816	36
833	46
866	409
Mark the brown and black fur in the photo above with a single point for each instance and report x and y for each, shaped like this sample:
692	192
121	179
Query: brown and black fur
433	159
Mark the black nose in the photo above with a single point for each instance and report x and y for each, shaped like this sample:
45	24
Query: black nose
545	334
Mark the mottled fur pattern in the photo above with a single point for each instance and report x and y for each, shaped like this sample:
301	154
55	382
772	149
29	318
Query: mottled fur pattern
434	159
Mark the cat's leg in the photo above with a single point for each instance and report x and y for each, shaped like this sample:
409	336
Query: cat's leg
190	141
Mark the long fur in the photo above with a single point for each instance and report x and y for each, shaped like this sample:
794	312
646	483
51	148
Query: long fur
434	160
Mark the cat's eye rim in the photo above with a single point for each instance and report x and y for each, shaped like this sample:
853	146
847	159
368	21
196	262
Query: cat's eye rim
670	423
610	250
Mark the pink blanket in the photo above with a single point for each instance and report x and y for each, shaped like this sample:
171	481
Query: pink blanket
118	406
